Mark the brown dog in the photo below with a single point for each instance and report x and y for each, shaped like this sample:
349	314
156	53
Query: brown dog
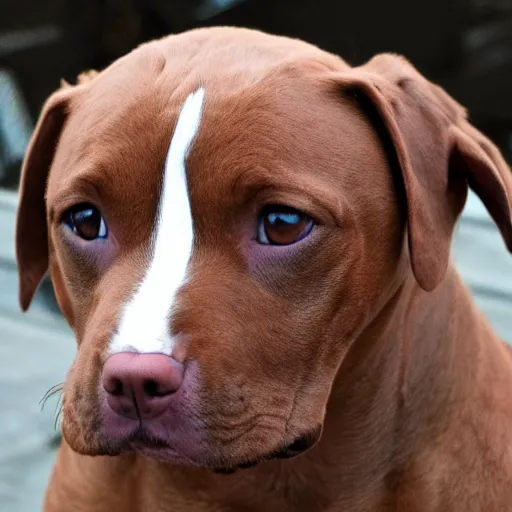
251	241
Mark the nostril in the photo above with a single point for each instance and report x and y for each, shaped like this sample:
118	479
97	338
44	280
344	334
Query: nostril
150	388
114	386
153	388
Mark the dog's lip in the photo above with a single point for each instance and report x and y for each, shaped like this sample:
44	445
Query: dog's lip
140	441
144	444
230	470
290	450
156	449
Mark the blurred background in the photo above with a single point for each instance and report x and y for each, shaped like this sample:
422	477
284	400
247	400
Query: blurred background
465	45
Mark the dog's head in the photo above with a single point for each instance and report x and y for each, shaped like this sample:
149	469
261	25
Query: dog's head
222	214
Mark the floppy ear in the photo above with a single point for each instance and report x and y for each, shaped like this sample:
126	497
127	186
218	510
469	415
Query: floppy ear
31	227
439	154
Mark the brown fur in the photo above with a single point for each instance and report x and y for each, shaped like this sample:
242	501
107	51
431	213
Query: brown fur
366	330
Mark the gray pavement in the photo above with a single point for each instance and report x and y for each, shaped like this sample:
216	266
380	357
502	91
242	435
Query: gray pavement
35	352
36	349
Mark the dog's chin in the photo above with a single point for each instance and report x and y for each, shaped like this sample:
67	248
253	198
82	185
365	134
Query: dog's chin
161	453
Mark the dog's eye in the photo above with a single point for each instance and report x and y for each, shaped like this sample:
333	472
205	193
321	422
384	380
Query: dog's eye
86	221
282	225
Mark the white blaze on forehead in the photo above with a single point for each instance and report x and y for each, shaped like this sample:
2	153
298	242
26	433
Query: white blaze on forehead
144	324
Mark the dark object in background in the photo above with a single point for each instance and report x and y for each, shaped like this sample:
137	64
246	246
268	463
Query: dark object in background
465	45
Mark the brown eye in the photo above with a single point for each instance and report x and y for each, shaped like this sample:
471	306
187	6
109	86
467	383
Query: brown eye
86	221
282	225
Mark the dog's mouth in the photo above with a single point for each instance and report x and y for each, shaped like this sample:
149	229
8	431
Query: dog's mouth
152	447
142	441
147	445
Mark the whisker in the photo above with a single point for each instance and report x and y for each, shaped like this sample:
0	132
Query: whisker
57	417
58	412
58	388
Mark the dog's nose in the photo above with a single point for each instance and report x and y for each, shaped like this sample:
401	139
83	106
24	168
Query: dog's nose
140	385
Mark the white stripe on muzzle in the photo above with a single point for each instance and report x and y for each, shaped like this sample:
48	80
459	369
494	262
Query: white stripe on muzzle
144	324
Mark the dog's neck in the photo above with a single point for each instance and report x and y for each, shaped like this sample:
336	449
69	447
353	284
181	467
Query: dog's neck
394	394
398	391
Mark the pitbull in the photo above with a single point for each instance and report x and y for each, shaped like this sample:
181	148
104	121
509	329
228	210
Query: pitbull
251	242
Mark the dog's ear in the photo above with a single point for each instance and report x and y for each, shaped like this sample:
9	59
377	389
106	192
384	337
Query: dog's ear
439	154
31	225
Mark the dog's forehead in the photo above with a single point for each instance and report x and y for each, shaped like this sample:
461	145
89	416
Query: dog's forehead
119	128
262	110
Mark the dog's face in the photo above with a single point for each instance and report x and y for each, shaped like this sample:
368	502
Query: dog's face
232	206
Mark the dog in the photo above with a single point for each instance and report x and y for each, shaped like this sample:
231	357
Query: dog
251	242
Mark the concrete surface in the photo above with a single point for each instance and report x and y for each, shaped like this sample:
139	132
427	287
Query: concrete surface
36	349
